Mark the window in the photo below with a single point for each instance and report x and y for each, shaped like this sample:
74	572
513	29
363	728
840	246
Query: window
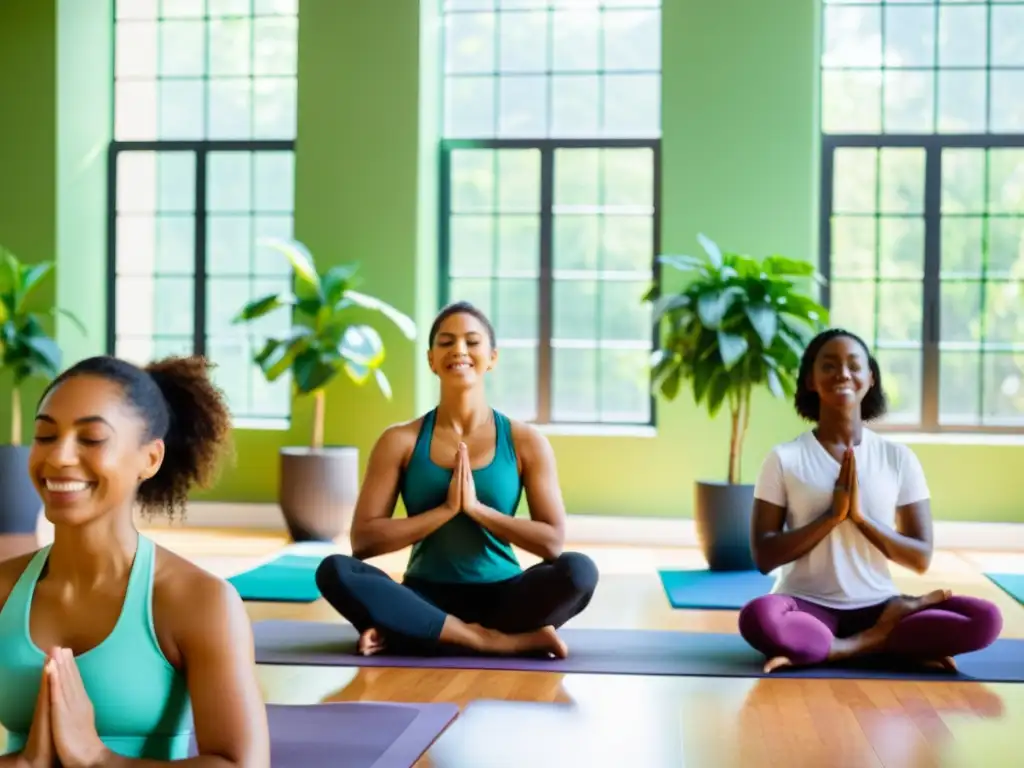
549	220
202	167
923	203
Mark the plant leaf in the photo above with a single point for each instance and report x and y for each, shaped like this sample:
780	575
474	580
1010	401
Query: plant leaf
404	322
263	306
683	263
731	347
775	384
717	391
307	281
383	383
29	278
362	346
312	371
712	250
765	320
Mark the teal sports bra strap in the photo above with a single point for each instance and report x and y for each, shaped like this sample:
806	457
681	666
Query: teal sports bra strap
136	599
18	604
506	443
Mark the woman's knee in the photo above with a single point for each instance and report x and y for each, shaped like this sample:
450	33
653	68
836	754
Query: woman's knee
758	615
333	572
986	620
580	572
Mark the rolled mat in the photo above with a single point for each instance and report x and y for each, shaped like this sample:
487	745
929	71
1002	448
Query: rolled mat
618	651
1011	583
721	590
353	734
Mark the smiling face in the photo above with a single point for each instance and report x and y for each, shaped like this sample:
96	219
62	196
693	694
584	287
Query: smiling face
89	453
841	375
461	353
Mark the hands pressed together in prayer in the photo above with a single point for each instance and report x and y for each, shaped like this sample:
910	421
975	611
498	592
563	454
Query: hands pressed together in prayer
64	723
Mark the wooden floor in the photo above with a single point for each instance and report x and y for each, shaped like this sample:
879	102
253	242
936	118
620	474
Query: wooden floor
535	720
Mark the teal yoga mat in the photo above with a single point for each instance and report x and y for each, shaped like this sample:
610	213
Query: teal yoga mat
714	590
1011	583
290	577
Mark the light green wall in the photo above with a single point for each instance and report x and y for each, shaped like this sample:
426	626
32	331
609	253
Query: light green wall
740	163
28	180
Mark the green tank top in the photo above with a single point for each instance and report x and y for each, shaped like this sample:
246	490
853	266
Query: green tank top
141	702
462	550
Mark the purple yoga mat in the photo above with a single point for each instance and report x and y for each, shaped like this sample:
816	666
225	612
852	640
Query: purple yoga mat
617	651
353	734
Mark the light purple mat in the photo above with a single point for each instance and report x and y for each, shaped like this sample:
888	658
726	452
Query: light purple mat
618	652
353	734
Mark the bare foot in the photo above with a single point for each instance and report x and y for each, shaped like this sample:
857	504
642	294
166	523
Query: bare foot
370	642
945	664
543	639
777	663
901	607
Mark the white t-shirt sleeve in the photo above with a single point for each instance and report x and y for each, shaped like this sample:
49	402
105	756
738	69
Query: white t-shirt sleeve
771	481
913	485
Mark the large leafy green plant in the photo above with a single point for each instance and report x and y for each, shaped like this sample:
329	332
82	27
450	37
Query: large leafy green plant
26	350
736	323
326	338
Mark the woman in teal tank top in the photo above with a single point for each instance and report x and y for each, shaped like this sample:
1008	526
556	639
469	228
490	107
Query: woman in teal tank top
461	471
98	628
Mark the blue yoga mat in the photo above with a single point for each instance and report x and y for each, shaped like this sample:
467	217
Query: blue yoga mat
620	652
1011	583
722	590
288	578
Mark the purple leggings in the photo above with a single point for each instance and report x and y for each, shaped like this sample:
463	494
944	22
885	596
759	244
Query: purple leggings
781	625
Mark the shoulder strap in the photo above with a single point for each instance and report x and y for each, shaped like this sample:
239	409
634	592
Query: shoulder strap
137	599
426	433
506	444
18	601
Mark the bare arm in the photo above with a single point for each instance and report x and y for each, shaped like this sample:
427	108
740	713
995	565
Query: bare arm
374	530
543	533
773	547
911	544
216	645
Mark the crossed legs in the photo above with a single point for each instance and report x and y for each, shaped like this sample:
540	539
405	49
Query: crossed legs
932	629
518	615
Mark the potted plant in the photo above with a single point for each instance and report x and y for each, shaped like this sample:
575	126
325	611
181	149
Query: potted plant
735	324
26	351
319	484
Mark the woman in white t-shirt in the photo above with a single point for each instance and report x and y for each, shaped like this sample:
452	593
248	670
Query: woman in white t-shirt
832	508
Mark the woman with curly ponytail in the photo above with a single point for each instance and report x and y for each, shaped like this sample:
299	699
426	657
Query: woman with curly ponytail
129	651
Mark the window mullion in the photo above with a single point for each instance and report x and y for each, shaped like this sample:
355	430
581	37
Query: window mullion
545	288
931	322
199	281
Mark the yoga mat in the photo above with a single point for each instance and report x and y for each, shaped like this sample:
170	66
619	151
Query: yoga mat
289	577
614	651
353	734
723	590
1011	583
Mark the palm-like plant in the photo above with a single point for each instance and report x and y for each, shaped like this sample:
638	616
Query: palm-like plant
737	323
325	338
26	350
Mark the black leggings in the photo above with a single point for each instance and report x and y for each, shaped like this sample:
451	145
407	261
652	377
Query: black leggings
411	614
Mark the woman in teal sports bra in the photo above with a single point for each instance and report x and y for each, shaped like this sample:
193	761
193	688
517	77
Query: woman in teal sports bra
461	470
113	651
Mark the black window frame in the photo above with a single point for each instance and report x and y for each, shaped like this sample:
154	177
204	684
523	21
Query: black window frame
933	145
545	280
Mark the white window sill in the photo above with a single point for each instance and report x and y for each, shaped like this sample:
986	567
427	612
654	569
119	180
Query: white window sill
954	438
261	425
597	430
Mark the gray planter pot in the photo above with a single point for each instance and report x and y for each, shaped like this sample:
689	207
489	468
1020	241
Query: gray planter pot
722	513
20	504
318	491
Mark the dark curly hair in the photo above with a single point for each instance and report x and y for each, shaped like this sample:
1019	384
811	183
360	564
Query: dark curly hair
807	402
461	307
180	404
